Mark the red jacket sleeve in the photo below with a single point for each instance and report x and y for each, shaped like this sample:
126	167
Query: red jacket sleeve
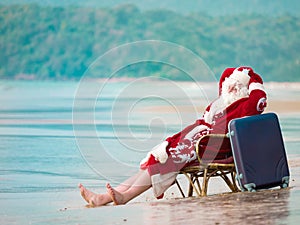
173	140
257	101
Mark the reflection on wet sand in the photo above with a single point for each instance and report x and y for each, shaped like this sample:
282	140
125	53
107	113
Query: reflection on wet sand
263	207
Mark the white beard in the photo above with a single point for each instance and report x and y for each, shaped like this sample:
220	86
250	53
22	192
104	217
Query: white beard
230	97
226	98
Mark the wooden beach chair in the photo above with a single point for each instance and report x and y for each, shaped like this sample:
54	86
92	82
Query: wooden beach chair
208	167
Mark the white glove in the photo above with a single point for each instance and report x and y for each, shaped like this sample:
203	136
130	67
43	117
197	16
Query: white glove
159	152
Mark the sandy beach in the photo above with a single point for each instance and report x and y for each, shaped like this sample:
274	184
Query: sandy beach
59	206
279	206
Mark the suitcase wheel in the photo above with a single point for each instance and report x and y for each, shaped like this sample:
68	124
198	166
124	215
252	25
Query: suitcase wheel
285	182
250	187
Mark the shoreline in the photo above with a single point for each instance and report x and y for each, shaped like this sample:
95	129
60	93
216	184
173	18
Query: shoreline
273	105
219	207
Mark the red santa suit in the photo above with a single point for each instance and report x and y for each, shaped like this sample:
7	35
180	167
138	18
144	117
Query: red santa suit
178	151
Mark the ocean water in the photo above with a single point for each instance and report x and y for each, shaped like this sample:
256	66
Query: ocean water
54	135
53	138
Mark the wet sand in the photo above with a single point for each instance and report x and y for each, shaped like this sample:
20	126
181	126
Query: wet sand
277	206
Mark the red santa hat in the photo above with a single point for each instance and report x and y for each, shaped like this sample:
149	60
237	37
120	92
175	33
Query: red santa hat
241	74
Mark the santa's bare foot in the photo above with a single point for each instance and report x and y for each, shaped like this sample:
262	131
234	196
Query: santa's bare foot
92	198
116	196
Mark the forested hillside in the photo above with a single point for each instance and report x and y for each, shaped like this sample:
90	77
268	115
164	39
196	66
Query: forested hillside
53	42
214	8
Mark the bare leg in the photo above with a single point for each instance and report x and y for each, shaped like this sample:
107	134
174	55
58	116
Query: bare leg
128	183
140	185
131	188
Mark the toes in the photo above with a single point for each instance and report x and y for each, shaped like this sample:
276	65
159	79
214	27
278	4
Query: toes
91	203
112	194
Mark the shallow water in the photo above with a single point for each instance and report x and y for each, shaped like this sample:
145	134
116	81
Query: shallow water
52	138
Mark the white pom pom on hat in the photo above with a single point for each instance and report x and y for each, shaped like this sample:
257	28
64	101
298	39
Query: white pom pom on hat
242	75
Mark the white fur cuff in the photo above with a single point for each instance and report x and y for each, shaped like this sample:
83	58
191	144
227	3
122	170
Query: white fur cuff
160	152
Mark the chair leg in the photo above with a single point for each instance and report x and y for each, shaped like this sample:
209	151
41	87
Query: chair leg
192	185
206	174
230	184
204	183
236	189
198	184
180	189
194	179
191	188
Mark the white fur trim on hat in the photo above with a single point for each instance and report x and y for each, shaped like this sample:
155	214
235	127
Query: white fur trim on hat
256	86
241	76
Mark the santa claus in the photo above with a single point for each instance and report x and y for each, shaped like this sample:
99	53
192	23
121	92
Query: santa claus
241	93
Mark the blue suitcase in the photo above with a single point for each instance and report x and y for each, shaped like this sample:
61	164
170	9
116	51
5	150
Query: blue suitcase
258	152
